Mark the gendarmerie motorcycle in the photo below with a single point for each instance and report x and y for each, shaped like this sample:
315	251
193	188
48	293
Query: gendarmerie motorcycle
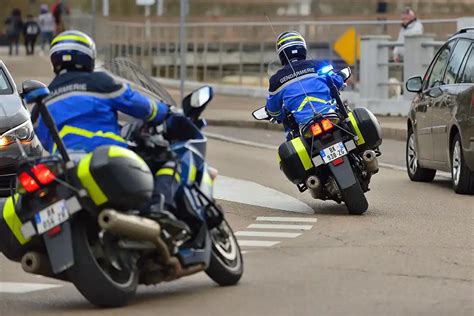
333	155
77	220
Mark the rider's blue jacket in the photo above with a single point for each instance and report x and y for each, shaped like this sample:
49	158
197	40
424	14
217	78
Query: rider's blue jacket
85	109
294	88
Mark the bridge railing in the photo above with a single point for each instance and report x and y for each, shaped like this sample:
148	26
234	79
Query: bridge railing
234	53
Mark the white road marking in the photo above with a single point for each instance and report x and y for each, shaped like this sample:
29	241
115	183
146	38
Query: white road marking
267	234
257	243
281	226
21	288
287	219
251	193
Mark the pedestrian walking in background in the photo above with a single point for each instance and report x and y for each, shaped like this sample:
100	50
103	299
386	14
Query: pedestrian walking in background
59	9
410	26
31	31
13	27
46	23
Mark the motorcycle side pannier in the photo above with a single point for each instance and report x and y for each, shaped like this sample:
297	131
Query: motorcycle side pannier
366	123
295	161
116	177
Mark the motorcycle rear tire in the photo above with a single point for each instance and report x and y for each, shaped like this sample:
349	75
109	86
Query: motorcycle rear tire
355	200
90	279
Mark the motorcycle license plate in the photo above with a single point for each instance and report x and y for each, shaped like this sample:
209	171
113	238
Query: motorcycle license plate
333	152
51	216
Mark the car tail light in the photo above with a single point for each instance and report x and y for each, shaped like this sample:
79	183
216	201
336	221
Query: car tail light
327	125
42	173
27	182
337	162
316	129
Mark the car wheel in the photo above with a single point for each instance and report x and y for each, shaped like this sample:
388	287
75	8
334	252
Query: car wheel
415	172
462	177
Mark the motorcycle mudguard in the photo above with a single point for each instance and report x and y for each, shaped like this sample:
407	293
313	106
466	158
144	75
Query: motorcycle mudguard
191	256
343	174
60	250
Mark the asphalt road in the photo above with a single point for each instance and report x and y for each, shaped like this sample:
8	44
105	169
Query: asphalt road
410	254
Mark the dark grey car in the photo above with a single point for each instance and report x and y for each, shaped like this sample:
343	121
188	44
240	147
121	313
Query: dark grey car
15	125
441	118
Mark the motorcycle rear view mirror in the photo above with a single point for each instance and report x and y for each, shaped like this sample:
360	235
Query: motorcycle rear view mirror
345	73
195	103
33	91
261	114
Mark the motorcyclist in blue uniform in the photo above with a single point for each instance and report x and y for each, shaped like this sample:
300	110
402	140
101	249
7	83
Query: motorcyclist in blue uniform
85	104
300	87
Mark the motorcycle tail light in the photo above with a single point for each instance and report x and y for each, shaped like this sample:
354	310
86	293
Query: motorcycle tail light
316	129
54	231
27	182
337	162
43	174
327	125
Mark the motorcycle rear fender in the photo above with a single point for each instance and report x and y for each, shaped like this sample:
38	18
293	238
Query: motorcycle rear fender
343	174
60	249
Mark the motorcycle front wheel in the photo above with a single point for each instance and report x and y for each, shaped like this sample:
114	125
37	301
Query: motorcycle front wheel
226	266
100	275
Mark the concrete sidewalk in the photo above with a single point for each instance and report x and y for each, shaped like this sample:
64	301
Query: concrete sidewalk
225	110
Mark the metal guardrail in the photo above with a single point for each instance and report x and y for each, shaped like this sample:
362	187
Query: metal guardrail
228	52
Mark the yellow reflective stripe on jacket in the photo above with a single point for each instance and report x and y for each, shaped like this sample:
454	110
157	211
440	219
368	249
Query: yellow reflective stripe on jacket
360	139
288	38
169	172
302	153
88	181
78	38
154	110
68	129
12	220
311	99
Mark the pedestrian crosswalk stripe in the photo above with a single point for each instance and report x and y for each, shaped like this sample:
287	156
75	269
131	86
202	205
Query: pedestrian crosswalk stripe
287	219
267	234
20	288
257	243
281	226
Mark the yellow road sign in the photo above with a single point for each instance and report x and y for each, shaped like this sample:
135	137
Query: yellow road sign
348	46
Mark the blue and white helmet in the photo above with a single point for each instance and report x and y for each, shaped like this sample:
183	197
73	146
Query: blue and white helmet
290	46
73	50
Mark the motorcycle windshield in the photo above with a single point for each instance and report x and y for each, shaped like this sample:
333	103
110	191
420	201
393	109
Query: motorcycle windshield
126	70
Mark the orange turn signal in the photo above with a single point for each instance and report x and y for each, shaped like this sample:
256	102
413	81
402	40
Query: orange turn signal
327	125
316	129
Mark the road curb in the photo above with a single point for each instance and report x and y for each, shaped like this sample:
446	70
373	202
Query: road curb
388	132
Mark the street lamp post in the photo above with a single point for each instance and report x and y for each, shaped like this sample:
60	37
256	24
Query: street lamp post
183	44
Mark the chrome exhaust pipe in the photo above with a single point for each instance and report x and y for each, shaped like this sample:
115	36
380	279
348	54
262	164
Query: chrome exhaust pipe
137	228
370	161
314	185
36	263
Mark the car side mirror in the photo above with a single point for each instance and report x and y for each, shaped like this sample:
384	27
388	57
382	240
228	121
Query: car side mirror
345	73
34	91
261	114
435	92
195	103
414	84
